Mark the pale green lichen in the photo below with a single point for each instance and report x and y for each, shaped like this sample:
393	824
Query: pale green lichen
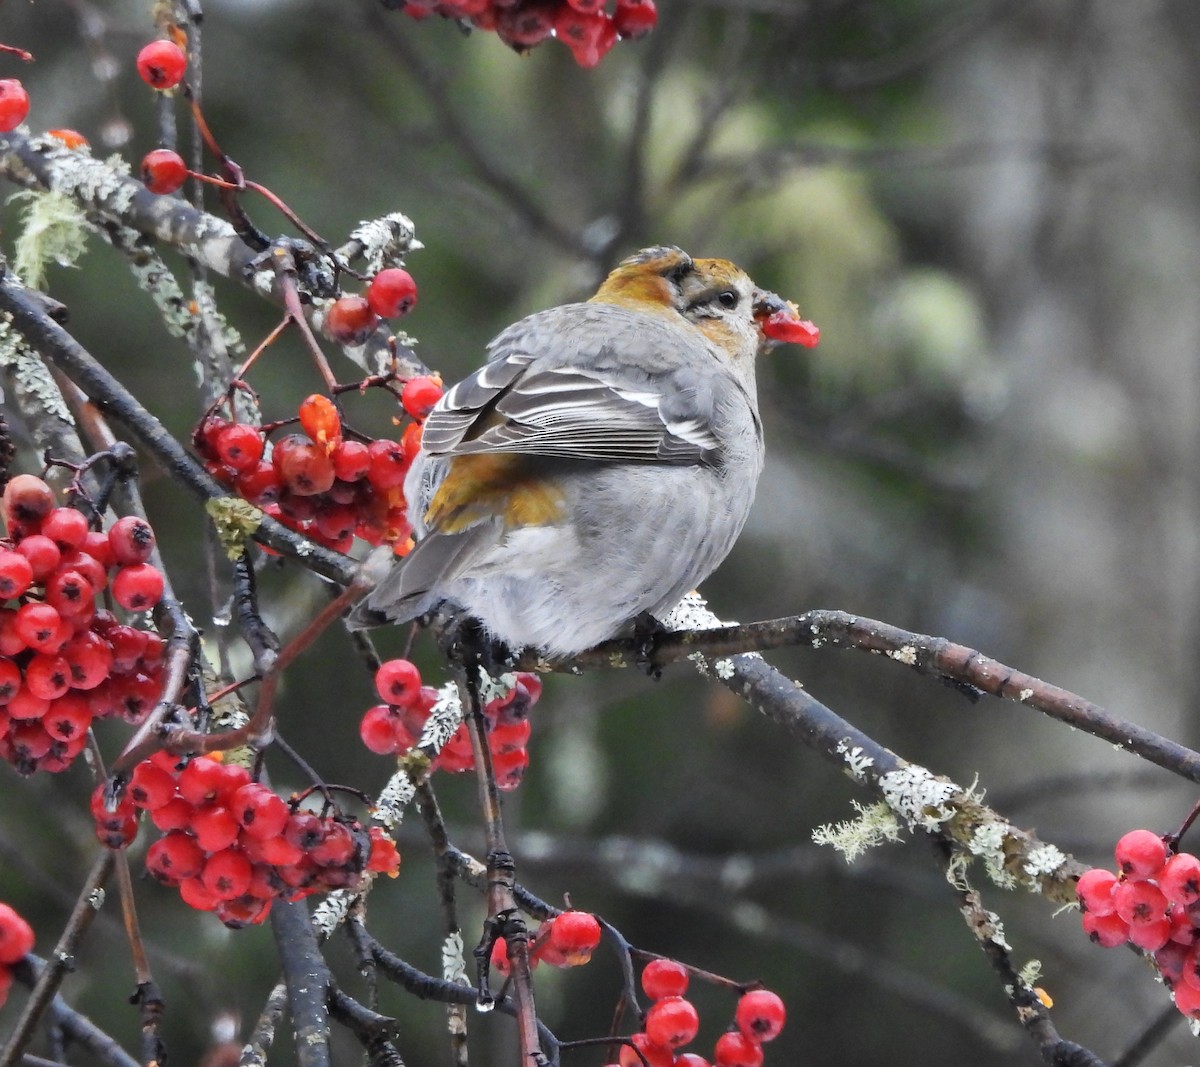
1030	973
53	230
454	964
386	241
875	825
920	799
235	520
857	761
1043	860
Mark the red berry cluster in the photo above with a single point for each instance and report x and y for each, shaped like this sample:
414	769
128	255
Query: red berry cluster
566	940
327	486
673	1022
63	660
16	941
391	294
585	26
233	846
395	725
1152	902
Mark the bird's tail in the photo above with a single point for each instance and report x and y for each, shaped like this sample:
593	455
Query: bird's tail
411	587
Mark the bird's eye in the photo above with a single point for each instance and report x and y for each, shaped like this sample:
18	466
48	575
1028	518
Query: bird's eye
728	298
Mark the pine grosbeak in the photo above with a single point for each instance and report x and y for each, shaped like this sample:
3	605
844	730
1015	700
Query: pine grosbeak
599	466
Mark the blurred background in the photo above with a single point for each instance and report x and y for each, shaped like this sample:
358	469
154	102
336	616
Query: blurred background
992	210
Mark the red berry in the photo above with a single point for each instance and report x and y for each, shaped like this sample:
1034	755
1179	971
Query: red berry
654	1055
161	64
1170	961
227	874
48	677
336	848
96	545
525	25
128	644
1140	902
16	574
410	441
1140	854
66	527
89	658
788	327
589	36
389	464
14	104
10	680
303	466
38	625
350	320
509	768
760	1015
398	681
1183	931
43	555
664	978
174	857
240	446
573	937
138	587
194	893
384	857
200	782
70	593
90	567
1191	967
672	1021
1180	879
735	1049
27	500
635	18
691	1059
260	485
1187	1000
68	718
420	394
1108	931
16	936
1151	936
163	171
259	810
392	293
70	138
26	705
351	460
320	420
500	957
378	730
151	786
215	827
175	814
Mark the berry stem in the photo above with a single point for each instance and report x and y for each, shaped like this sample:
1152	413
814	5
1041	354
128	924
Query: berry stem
1172	840
504	916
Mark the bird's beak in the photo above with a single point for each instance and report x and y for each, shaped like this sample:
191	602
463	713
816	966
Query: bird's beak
779	322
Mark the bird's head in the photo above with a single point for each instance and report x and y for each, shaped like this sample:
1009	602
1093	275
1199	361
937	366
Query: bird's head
714	295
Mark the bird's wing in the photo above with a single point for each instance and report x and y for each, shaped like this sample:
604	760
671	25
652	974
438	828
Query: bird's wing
525	404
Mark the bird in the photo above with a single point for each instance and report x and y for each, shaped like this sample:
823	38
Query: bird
599	465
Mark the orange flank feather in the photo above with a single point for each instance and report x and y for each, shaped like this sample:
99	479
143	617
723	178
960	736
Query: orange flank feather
481	487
